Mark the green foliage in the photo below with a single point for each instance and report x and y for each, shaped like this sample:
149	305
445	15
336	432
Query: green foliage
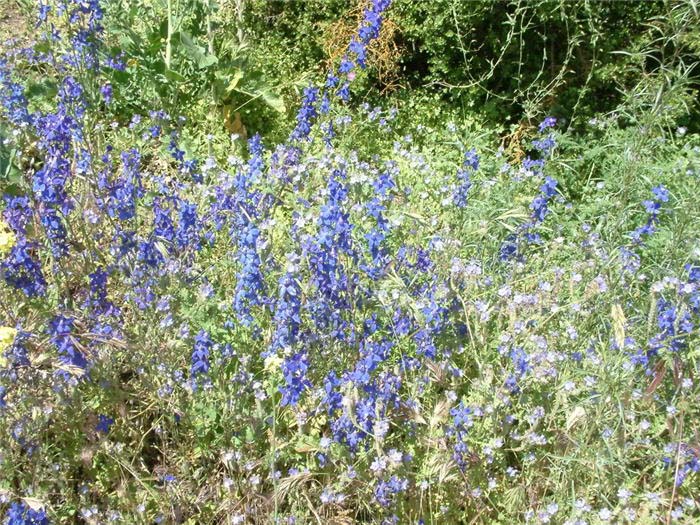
180	58
511	61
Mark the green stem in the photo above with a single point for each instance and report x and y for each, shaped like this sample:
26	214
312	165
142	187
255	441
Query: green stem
168	41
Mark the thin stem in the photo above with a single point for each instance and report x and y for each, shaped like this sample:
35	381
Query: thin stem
168	41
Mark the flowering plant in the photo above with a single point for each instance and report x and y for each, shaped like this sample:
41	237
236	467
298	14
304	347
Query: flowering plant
360	323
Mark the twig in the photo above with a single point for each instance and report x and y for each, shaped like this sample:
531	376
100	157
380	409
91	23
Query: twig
675	475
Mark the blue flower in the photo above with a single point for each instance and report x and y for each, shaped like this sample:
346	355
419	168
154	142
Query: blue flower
106	91
121	203
249	283
188	227
470	164
653	209
104	423
60	331
661	193
386	491
674	325
294	370
548	122
462	421
200	357
306	114
21	514
12	98
510	248
287	313
22	270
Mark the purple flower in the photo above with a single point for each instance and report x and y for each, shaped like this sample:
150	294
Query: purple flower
60	331
294	369
21	514
200	357
104	423
106	91
306	114
548	122
470	164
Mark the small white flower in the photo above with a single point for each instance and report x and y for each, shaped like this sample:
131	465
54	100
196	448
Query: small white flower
624	494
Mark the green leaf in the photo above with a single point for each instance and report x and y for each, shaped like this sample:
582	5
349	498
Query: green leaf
44	88
195	52
274	100
249	435
207	61
174	76
233	83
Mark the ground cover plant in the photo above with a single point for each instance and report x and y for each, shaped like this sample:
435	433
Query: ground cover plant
361	316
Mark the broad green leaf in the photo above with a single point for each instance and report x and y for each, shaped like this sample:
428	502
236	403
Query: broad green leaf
274	100
233	83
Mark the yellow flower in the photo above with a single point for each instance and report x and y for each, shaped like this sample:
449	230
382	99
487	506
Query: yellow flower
7	238
7	336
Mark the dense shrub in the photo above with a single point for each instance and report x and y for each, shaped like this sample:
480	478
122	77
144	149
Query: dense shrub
511	60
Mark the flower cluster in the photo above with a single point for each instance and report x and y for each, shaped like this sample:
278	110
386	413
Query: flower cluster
457	431
317	321
369	30
21	514
528	231
470	165
306	114
294	369
61	333
287	313
653	209
200	357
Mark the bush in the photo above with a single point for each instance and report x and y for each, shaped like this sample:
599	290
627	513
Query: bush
513	61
